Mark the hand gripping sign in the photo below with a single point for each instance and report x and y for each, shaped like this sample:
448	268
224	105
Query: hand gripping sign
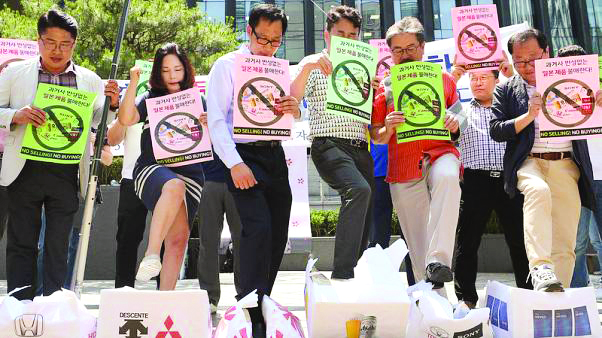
145	71
177	134
62	138
568	87
384	56
259	82
349	91
418	93
477	35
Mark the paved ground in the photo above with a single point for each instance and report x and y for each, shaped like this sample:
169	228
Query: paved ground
288	290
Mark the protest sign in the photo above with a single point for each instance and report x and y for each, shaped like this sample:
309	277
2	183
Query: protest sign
600	64
145	72
384	56
11	51
259	83
349	92
568	86
177	134
477	36
16	50
418	93
62	138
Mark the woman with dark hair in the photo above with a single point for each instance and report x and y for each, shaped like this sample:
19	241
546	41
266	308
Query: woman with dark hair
172	193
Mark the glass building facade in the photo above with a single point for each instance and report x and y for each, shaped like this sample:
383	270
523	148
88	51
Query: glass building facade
564	21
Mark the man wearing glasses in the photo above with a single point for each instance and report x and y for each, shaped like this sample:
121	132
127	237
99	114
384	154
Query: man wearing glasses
423	175
554	177
258	175
32	184
483	190
339	146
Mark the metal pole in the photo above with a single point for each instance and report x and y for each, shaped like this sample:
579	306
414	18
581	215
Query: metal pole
84	234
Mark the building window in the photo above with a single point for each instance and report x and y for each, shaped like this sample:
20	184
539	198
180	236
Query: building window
294	42
321	7
520	11
481	2
405	8
560	23
594	14
442	18
370	10
215	9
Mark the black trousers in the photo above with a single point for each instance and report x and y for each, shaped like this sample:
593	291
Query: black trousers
131	221
350	171
481	194
55	187
264	212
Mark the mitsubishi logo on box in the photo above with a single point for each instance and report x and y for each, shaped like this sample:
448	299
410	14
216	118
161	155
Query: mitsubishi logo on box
29	325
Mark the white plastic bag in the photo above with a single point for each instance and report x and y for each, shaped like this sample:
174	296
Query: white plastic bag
279	321
433	316
236	322
59	315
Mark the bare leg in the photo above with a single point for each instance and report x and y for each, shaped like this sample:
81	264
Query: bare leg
175	246
166	209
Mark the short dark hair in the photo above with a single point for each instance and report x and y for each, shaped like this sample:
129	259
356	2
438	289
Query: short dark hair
409	24
571	50
335	14
496	73
58	19
526	35
156	80
268	12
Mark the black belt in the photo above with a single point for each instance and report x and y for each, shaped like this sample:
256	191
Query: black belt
352	142
490	173
552	156
271	144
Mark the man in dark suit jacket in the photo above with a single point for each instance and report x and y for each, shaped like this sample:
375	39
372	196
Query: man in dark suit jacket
555	178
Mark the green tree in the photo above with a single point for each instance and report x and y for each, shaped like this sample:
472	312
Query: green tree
150	25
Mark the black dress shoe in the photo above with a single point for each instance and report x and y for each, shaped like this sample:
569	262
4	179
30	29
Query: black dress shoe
438	274
342	274
258	330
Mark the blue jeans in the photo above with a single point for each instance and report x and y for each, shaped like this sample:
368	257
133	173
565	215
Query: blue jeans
589	228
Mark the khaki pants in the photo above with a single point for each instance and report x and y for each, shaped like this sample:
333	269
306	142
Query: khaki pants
551	213
428	213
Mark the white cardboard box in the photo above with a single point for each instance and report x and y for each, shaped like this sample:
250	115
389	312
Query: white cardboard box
154	313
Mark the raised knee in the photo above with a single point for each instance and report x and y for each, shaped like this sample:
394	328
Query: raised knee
538	191
175	188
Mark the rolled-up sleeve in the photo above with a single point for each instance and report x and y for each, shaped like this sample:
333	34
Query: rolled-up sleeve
501	126
220	93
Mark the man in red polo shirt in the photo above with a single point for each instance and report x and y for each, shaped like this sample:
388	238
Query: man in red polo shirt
423	175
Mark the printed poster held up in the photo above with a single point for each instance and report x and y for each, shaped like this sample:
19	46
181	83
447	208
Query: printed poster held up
16	50
259	83
418	93
177	134
11	51
477	36
145	72
568	87
349	90
384	56
62	138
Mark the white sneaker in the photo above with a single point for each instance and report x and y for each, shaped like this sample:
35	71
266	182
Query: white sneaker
150	266
544	279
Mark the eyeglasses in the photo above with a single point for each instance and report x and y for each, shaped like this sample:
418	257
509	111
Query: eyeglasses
264	41
52	45
400	51
483	78
522	64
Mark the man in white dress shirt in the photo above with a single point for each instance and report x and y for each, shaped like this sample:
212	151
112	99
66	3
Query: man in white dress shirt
258	177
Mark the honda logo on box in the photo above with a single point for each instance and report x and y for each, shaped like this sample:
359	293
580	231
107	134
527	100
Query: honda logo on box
29	325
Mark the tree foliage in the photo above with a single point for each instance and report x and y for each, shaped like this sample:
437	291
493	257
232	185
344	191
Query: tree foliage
151	23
